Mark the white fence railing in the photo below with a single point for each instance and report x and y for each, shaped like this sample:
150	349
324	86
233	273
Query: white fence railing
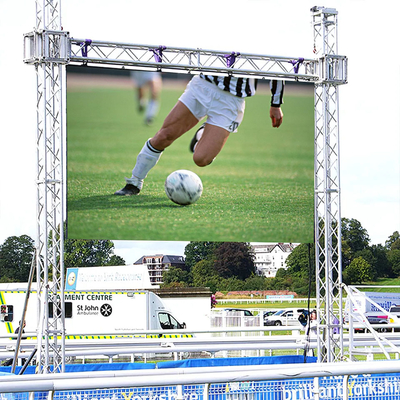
284	382
265	301
209	343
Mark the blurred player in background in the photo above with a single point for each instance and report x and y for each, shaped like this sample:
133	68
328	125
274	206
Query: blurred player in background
221	99
148	85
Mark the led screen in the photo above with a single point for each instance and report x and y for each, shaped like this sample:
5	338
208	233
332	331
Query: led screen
258	189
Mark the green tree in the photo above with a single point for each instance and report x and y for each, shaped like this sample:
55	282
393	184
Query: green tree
358	271
16	254
302	259
176	275
198	251
90	253
382	265
300	270
394	259
232	283
393	241
297	282
116	260
283	280
255	282
233	259
204	274
368	255
354	238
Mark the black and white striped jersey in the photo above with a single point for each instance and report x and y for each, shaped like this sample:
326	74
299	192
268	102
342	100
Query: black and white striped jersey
246	87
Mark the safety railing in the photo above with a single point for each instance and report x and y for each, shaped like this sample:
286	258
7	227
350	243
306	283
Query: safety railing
364	381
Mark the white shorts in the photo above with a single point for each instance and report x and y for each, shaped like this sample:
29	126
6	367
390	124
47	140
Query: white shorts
143	77
222	108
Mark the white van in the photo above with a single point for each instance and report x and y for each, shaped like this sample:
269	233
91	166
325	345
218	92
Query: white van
284	317
89	313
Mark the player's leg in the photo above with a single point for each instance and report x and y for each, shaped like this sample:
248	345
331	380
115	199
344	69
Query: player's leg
155	85
211	142
178	121
141	98
224	117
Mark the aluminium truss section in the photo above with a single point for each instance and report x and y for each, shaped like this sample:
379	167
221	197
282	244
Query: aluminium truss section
176	59
327	189
43	48
48	14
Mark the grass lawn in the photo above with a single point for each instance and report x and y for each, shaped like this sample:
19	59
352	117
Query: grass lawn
385	282
259	188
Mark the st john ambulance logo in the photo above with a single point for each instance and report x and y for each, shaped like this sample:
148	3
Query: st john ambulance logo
105	310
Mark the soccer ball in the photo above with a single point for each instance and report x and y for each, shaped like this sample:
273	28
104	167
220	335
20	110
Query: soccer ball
183	187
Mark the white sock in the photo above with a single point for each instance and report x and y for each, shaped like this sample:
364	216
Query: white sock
152	109
199	134
146	160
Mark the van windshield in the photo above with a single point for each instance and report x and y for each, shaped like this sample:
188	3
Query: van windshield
280	312
167	321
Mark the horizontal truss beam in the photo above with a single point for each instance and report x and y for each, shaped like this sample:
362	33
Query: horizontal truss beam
37	49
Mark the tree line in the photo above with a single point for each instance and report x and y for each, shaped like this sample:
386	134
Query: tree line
17	254
225	266
221	266
210	264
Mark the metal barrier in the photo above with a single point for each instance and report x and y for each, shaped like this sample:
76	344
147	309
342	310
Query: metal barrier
265	301
272	382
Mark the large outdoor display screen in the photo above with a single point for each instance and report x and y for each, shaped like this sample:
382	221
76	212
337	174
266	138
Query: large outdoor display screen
258	189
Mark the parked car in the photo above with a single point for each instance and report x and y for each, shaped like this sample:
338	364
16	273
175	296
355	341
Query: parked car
374	318
395	310
267	314
247	313
284	317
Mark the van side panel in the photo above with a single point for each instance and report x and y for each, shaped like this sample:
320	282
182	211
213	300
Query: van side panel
87	313
105	312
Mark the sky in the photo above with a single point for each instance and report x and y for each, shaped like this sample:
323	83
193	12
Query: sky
369	105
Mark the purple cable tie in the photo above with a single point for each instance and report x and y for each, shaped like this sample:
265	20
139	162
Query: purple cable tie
231	58
158	53
296	64
84	49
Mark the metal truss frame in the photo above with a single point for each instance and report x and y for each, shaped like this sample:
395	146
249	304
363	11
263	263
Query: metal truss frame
186	60
50	49
50	189
327	189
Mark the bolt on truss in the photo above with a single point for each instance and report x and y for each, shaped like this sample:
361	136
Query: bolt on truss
327	189
50	48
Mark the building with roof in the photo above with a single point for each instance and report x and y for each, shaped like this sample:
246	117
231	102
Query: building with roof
269	257
157	264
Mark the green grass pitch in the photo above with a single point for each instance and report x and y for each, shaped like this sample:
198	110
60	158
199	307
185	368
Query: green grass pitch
258	189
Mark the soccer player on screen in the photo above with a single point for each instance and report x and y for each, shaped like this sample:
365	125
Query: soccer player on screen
222	100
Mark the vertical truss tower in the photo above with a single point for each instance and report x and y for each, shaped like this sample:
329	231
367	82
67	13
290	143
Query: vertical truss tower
45	46
49	49
327	186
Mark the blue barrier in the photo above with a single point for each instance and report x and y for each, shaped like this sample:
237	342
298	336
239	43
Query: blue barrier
219	362
359	387
209	362
87	367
